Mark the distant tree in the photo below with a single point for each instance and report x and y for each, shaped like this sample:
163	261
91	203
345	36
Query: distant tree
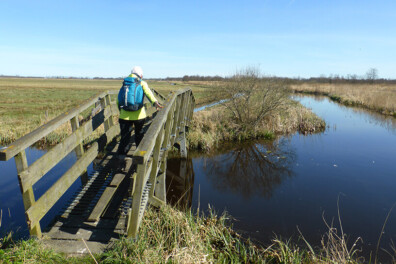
372	75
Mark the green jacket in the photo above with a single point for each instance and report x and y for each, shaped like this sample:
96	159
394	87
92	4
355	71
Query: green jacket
141	113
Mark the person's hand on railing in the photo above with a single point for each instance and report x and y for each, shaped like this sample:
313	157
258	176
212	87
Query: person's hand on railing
157	106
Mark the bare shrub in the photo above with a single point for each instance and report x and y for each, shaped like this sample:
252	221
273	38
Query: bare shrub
253	97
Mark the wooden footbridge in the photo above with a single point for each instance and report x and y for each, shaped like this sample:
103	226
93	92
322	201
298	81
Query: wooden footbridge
111	202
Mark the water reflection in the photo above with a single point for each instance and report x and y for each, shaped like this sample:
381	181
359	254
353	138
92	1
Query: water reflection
254	168
180	182
370	117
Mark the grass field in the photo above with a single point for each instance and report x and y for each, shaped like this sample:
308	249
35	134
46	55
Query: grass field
377	97
27	103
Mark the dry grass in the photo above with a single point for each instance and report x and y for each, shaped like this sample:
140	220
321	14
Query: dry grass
213	126
27	103
171	236
378	97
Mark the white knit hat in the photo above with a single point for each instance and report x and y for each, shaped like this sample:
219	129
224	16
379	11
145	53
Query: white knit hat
138	71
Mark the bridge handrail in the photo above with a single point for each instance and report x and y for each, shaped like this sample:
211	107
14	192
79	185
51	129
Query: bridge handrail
31	138
28	175
151	154
146	147
26	141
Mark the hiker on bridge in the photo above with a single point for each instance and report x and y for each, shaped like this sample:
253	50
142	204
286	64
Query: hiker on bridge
132	110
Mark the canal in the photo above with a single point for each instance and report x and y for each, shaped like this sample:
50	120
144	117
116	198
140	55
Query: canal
297	183
272	188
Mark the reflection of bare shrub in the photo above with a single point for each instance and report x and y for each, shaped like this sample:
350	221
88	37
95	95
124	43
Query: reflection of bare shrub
252	168
253	97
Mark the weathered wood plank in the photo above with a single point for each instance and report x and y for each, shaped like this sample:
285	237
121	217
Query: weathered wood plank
168	127
94	234
75	124
133	219
176	119
39	168
75	247
156	153
156	202
27	195
49	198
117	179
80	222
102	204
31	138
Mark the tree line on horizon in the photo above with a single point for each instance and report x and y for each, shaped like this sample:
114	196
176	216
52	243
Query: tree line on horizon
370	76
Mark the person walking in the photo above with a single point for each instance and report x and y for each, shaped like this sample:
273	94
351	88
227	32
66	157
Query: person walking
135	118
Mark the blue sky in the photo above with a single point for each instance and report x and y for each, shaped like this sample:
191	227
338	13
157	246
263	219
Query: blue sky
173	38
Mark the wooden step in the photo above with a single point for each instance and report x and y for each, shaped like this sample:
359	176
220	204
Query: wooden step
106	197
88	234
80	222
75	247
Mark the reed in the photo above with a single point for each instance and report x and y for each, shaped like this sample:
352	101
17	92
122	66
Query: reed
377	97
213	126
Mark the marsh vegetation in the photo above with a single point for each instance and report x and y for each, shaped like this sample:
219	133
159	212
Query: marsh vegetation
257	107
379	97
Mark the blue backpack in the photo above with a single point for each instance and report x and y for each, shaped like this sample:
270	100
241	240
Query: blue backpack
130	96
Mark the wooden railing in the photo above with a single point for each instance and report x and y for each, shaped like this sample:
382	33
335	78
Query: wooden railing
168	128
28	175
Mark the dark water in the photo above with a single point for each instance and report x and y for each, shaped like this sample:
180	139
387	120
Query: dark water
11	204
295	182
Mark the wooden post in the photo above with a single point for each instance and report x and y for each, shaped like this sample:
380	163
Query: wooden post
182	143
170	123
185	109
156	161
179	103
107	123
133	219
160	187
28	195
79	150
181	124
108	102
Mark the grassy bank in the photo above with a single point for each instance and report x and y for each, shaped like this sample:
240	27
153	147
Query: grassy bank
27	103
171	236
213	126
377	97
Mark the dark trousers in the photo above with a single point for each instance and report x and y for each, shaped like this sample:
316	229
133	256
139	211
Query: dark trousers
126	129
